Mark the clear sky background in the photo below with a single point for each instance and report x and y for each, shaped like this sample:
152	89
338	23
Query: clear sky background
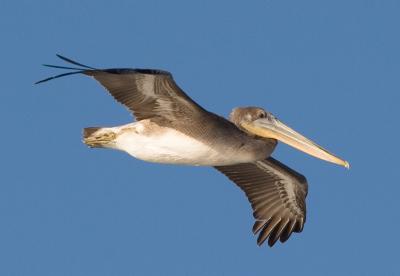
329	69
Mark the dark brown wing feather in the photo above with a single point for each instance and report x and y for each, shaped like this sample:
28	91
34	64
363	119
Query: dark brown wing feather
277	195
153	94
147	93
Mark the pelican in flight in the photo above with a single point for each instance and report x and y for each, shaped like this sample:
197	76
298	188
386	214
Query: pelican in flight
171	128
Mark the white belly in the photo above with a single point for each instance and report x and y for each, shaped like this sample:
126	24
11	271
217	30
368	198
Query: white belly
146	141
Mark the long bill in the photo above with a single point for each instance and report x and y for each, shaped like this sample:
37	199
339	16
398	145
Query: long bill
275	129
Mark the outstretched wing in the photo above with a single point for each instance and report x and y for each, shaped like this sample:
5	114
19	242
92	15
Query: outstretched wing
277	195
146	93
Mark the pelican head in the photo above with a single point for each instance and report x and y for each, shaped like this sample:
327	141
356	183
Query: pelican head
259	122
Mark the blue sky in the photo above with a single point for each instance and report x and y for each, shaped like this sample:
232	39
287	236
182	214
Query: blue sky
329	69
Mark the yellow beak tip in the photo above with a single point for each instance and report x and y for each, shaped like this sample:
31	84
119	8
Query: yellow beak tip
346	165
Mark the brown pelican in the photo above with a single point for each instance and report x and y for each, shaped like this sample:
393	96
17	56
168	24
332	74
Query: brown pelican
171	128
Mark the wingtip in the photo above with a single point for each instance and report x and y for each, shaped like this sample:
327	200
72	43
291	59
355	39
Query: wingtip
59	76
38	82
260	243
74	62
60	56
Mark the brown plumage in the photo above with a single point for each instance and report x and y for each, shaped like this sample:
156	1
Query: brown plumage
276	193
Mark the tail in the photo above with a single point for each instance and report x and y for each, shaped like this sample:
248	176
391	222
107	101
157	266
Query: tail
98	137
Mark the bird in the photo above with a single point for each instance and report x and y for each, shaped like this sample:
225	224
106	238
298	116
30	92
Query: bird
172	128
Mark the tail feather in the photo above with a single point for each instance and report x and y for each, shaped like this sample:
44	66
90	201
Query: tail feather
98	137
88	131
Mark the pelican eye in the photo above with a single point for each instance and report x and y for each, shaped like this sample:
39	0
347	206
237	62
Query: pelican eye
262	114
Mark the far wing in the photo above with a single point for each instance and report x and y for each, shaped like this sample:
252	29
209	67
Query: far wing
146	93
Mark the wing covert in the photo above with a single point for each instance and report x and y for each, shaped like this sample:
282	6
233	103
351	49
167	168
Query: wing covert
146	93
